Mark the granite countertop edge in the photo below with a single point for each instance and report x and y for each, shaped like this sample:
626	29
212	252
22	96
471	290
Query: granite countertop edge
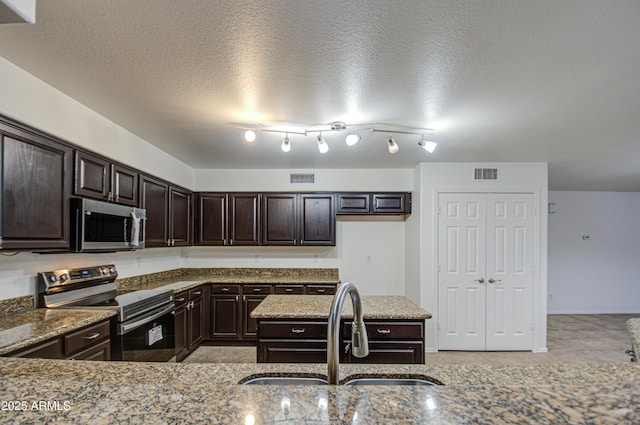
100	392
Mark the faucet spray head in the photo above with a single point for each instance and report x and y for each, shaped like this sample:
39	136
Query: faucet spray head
359	340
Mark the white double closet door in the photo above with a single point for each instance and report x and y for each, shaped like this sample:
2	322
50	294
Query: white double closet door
485	271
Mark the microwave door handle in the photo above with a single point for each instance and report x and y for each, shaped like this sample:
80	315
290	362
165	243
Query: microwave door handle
125	232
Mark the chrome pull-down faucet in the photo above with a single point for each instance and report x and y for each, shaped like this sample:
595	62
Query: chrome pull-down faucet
359	339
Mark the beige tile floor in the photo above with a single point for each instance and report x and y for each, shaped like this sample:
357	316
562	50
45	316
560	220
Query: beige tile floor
593	338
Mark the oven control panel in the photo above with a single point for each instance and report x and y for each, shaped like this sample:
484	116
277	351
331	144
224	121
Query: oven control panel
56	278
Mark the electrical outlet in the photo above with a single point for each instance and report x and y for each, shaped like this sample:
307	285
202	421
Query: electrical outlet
315	258
369	258
586	237
256	258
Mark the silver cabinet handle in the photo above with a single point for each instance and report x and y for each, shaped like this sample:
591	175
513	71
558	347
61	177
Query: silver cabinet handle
297	331
237	298
288	289
321	291
492	280
257	289
197	293
383	331
481	280
92	336
224	289
179	299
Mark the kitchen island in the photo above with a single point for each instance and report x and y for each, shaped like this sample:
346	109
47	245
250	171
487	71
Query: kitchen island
55	391
293	328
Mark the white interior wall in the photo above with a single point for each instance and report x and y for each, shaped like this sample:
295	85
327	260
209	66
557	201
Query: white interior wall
598	275
33	102
457	177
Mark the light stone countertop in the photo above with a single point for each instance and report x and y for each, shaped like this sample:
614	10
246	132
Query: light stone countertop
318	306
163	393
20	330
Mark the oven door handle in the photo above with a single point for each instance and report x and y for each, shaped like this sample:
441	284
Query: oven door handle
124	328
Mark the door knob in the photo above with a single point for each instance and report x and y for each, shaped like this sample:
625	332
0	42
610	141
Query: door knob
492	280
481	280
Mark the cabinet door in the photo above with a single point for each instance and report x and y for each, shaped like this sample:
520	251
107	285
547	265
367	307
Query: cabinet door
154	197
196	321
181	331
353	203
180	217
225	315
92	176
250	325
244	219
36	186
317	219
124	185
390	203
279	219
211	216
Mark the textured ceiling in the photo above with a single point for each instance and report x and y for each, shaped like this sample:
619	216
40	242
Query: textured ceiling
520	80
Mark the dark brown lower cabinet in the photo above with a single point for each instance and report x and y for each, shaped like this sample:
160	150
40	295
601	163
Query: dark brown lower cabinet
226	308
189	320
90	343
297	341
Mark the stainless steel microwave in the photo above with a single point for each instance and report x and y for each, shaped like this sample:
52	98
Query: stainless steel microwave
101	226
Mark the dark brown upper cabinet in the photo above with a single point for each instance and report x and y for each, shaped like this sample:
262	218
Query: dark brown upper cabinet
99	178
36	190
169	213
180	216
365	203
298	219
228	219
154	198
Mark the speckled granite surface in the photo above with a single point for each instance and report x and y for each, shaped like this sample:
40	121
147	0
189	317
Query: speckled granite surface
20	330
17	305
199	276
318	306
144	393
634	332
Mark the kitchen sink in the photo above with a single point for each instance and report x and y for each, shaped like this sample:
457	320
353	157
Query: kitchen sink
315	379
377	379
284	379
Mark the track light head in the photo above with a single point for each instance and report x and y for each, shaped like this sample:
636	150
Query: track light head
392	145
250	136
322	145
427	145
352	139
286	144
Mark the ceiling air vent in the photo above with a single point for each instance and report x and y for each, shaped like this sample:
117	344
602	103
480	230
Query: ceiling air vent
485	174
302	178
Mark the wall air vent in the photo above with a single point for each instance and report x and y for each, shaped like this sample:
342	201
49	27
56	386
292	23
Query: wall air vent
302	178
485	174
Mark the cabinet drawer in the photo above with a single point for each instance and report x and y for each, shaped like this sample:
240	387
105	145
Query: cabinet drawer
84	338
289	289
196	293
389	330
292	352
257	289
99	352
180	298
297	329
47	350
407	352
321	289
225	289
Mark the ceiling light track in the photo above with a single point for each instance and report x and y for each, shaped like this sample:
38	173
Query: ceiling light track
351	139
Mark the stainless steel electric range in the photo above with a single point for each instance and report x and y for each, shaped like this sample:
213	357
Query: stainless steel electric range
144	329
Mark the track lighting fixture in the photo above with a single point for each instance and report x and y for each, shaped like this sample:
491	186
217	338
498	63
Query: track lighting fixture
286	144
392	145
427	145
322	145
351	139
